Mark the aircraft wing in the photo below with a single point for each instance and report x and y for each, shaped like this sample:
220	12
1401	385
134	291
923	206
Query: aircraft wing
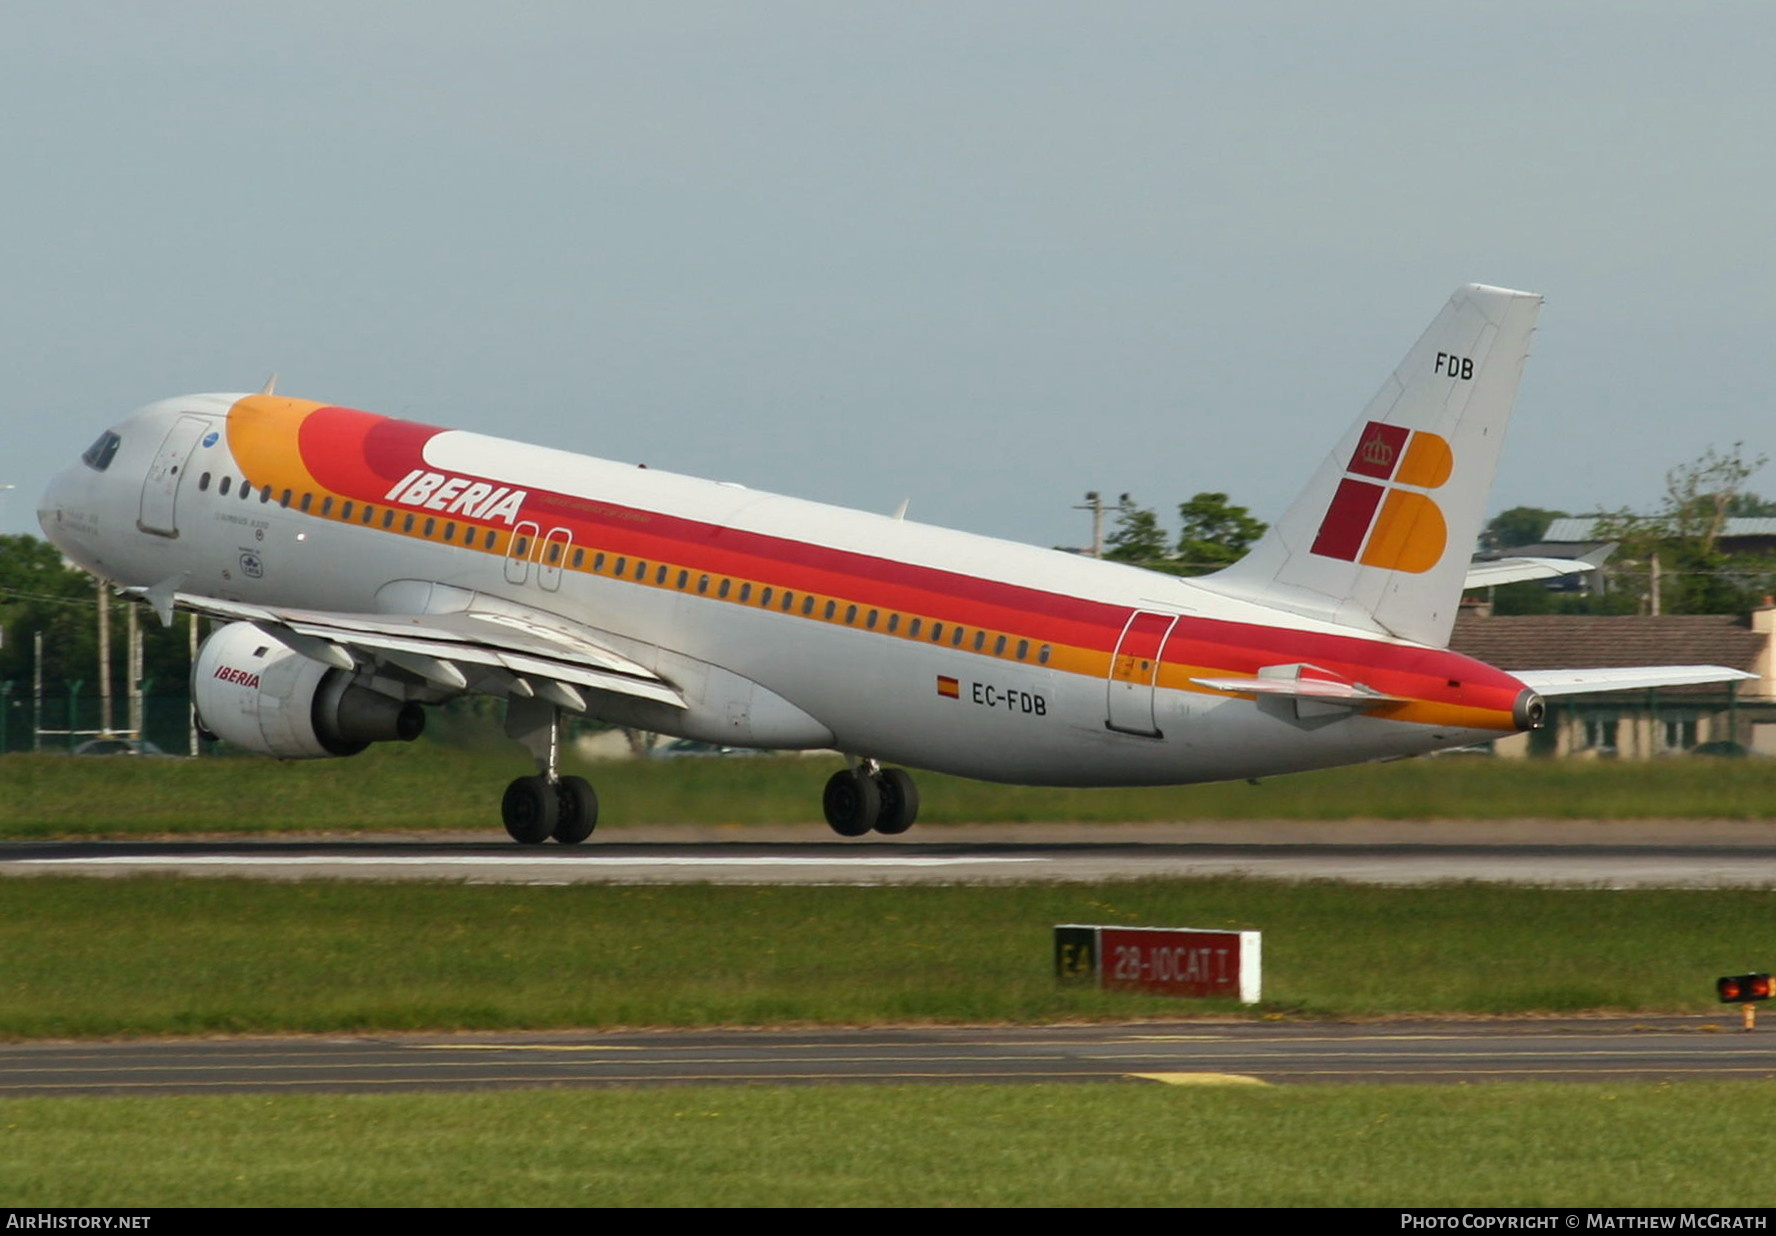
1624	678
503	651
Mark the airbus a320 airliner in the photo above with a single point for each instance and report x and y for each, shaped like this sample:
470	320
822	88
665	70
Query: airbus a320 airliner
366	567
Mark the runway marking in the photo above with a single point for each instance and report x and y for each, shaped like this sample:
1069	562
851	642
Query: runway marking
495	860
1201	1079
522	1047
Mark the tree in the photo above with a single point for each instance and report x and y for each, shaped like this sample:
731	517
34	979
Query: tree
1678	549
1700	496
1215	533
1137	537
1521	525
40	592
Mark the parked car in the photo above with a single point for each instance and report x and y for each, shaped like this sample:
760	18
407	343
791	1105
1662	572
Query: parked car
118	746
690	748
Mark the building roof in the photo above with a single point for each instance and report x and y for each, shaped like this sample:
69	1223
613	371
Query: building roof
1586	641
1584	528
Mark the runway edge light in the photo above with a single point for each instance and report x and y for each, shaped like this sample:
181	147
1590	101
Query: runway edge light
1744	990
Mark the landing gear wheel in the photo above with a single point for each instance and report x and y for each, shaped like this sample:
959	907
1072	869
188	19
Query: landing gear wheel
853	802
900	801
578	810
530	809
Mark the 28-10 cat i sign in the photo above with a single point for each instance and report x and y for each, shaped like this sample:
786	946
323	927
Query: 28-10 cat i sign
1170	961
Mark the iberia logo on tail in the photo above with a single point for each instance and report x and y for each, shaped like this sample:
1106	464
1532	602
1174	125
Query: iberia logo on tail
1381	524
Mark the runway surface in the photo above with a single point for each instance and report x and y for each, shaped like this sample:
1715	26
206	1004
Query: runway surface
1184	1053
1604	854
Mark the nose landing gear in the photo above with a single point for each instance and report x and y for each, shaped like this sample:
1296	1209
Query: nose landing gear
870	797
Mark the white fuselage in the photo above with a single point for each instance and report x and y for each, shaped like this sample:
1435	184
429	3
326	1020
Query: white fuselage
1047	684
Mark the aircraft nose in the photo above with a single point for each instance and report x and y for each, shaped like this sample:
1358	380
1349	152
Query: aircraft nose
60	511
51	502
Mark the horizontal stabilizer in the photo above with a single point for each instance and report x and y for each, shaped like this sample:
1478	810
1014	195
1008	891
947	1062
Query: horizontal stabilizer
1305	684
1624	678
1516	570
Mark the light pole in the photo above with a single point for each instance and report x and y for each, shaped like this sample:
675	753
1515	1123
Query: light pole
1094	503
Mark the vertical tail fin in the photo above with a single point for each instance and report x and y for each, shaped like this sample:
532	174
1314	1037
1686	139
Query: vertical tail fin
1381	537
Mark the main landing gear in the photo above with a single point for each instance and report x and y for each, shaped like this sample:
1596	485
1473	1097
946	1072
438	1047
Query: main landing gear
871	797
547	805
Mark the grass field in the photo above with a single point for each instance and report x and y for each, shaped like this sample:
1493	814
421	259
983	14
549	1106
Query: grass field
429	786
1698	1144
169	956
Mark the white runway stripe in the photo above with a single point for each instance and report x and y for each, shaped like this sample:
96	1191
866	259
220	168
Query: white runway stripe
495	860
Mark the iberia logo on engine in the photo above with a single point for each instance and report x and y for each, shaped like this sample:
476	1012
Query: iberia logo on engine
1382	525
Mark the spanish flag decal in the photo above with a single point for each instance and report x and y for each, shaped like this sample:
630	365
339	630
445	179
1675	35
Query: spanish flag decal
949	688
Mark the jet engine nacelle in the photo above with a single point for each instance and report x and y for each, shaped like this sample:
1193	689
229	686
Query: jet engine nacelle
256	693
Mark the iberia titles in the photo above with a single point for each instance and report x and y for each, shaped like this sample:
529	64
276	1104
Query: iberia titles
457	495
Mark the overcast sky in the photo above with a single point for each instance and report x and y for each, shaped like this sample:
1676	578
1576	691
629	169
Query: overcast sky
985	256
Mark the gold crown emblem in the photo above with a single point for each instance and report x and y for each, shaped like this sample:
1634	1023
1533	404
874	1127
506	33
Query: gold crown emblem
1376	451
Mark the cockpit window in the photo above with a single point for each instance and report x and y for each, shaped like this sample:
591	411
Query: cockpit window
98	456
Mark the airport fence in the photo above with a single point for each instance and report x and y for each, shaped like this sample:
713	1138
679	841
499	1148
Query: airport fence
63	720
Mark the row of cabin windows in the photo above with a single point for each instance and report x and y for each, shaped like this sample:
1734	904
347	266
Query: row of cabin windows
786	601
366	514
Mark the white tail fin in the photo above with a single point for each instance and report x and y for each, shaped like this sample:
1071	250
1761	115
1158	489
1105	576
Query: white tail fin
1382	535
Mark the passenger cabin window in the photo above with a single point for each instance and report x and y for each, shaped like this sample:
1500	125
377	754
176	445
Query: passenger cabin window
223	487
307	501
98	456
203	482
